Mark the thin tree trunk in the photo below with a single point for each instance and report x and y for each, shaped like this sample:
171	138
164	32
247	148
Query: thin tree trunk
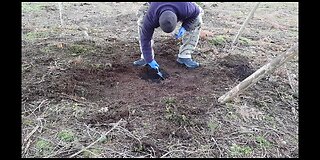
257	75
245	23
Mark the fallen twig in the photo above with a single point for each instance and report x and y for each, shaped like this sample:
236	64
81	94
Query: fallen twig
101	137
39	106
59	152
215	142
31	133
130	134
76	100
26	148
186	151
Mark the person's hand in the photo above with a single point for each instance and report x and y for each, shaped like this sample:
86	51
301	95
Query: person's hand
180	33
153	64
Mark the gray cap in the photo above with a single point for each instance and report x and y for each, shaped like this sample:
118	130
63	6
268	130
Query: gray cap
168	21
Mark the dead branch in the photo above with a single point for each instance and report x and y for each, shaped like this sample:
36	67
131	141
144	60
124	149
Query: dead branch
39	106
130	134
27	146
215	142
99	139
256	76
245	23
31	133
77	100
186	151
60	152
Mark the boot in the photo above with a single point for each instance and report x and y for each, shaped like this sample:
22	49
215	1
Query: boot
188	62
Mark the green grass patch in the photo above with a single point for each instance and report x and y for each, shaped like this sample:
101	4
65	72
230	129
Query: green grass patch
212	125
31	7
77	110
245	41
28	122
174	116
43	147
263	142
219	40
170	101
48	49
237	150
31	36
78	49
270	120
69	49
66	136
145	125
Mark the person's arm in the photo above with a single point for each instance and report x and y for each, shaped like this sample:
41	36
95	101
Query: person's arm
145	40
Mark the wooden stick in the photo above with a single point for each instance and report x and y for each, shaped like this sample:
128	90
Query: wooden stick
101	137
257	75
31	133
245	23
27	146
60	13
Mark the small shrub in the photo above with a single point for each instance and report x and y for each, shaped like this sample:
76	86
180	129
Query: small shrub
43	147
66	136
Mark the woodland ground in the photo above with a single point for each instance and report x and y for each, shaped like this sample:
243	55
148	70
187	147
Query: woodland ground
78	83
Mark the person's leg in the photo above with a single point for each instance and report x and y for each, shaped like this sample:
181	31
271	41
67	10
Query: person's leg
141	13
189	43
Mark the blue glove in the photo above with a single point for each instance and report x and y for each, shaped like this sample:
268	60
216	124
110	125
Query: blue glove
182	30
153	64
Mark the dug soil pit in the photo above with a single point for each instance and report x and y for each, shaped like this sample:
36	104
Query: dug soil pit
149	74
238	66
